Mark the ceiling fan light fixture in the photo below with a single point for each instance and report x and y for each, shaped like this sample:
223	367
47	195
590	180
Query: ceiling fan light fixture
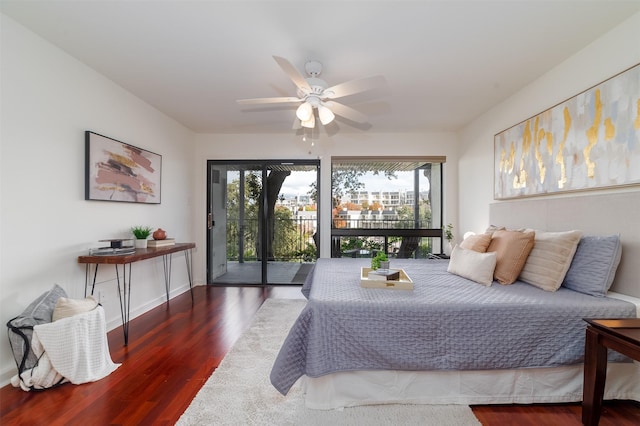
325	114
304	112
313	93
310	123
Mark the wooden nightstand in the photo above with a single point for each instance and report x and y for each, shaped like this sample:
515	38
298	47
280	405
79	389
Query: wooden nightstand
620	335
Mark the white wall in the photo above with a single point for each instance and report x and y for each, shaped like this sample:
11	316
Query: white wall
48	100
290	146
610	54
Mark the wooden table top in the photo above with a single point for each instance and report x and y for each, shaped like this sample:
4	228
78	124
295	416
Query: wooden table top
625	328
140	254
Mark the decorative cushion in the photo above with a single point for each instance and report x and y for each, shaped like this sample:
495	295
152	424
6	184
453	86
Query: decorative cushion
594	265
550	259
69	307
472	265
40	311
478	242
512	249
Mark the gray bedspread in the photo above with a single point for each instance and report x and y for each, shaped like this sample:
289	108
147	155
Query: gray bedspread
445	323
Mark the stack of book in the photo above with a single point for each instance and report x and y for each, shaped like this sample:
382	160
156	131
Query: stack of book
161	243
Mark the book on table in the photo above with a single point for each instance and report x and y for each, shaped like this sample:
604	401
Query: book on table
161	243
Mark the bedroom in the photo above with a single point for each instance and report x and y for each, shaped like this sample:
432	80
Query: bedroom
49	99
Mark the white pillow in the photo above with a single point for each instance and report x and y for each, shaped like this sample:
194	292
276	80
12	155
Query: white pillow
69	307
472	265
550	259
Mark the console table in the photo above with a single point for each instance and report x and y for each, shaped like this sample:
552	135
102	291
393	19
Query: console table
620	335
126	260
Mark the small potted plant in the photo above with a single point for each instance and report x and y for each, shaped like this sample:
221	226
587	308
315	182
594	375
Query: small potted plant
379	260
448	235
141	233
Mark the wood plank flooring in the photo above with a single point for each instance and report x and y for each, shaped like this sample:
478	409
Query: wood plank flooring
173	350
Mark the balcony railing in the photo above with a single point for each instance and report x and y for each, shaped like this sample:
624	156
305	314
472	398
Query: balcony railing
294	238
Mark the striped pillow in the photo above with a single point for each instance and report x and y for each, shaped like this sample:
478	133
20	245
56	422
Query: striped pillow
550	259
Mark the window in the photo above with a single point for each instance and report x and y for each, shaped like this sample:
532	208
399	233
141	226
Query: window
389	204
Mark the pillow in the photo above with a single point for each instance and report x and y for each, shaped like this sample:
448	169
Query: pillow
472	265
594	265
69	307
478	242
512	249
550	259
40	311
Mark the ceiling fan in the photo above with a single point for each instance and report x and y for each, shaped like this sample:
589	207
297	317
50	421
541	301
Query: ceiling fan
314	94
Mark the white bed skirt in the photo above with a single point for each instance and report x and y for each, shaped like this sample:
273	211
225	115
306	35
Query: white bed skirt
522	386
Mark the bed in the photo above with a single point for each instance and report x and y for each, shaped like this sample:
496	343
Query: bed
449	341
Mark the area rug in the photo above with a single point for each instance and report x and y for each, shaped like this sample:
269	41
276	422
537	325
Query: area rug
239	391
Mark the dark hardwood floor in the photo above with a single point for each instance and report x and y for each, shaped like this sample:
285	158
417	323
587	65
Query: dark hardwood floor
173	350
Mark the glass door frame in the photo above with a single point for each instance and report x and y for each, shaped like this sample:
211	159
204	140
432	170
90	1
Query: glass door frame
264	166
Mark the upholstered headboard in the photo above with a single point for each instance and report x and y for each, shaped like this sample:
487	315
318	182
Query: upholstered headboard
603	214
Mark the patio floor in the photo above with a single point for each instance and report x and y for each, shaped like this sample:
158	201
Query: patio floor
277	273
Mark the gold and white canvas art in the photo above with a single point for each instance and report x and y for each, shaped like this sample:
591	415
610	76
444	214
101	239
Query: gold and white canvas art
590	141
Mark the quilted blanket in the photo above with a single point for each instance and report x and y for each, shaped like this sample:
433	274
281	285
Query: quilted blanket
445	323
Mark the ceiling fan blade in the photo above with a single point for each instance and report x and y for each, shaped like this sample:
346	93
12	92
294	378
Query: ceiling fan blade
282	100
295	76
346	112
355	86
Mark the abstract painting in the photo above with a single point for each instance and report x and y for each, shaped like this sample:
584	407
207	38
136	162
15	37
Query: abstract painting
116	171
590	141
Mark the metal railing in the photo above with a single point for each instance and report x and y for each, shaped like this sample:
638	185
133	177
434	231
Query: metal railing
294	238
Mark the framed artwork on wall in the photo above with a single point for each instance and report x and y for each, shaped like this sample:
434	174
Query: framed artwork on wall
116	171
591	141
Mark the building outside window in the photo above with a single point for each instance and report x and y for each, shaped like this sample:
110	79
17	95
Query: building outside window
375	207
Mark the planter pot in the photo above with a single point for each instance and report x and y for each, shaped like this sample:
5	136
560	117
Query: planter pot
141	243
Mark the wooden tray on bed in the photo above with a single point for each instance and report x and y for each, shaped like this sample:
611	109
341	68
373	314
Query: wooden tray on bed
404	283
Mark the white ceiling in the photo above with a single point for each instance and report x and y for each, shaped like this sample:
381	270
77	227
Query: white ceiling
445	62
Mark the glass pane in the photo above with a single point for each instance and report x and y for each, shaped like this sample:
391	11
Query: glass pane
263	221
240	245
391	205
291	222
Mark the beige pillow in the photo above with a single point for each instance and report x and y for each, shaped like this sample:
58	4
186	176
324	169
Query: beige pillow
512	249
69	307
478	242
472	265
550	259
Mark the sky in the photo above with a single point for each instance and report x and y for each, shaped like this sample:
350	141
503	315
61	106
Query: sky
298	183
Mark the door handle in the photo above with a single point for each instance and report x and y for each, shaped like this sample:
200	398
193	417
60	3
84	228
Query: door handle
210	221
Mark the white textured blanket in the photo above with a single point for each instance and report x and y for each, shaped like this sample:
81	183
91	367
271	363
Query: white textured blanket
73	348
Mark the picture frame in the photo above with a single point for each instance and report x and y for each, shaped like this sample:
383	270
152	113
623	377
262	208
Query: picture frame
117	171
587	142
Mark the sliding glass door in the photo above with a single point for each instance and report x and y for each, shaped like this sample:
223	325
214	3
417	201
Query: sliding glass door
262	221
